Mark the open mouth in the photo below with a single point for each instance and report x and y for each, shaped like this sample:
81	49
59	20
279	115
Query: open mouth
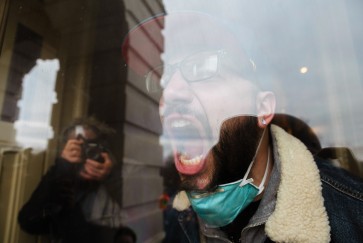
189	142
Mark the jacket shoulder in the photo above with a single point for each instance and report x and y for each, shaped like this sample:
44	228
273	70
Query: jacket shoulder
343	200
340	179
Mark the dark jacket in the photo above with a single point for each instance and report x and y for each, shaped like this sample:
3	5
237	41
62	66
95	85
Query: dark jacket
55	207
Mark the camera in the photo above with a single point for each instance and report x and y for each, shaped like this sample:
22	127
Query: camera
92	150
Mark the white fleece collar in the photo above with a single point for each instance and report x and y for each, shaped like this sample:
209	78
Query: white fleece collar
299	215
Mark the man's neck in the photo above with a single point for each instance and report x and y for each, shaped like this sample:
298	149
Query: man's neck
260	165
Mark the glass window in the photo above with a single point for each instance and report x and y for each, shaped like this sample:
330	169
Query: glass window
105	103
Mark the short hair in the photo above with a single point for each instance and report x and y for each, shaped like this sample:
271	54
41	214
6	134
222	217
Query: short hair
299	129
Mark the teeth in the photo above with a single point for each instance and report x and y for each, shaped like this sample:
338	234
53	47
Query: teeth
180	123
196	160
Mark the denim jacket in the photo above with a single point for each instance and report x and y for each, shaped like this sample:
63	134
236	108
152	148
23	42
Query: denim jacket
343	200
307	200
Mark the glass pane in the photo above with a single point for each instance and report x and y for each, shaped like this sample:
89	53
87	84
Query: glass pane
88	153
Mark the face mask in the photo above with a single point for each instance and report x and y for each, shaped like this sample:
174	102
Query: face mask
222	206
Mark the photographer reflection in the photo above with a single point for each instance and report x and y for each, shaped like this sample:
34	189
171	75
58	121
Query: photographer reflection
76	200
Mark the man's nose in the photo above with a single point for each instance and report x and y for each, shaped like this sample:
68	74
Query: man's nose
178	90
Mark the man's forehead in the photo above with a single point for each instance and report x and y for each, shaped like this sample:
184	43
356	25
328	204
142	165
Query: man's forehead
185	34
177	34
192	53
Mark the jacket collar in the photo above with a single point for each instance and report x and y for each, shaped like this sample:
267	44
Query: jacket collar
299	214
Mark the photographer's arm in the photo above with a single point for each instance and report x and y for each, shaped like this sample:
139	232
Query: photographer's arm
34	215
53	194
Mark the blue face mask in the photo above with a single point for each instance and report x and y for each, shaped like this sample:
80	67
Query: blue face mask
222	206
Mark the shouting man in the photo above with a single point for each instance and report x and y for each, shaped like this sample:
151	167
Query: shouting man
246	179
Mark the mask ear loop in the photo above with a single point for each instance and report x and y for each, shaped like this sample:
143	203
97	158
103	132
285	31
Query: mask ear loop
261	186
244	181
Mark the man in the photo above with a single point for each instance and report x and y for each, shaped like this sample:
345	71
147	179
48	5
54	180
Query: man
77	199
247	180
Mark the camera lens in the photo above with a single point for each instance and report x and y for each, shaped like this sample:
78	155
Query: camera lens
93	151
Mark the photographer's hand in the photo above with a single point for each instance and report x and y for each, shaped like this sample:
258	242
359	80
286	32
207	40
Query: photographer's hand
72	151
94	170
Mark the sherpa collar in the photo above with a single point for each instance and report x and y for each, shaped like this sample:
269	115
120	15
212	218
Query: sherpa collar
299	215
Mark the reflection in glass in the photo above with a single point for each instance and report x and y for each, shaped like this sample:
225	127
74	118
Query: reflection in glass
35	106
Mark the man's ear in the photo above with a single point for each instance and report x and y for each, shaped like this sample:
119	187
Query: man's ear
266	104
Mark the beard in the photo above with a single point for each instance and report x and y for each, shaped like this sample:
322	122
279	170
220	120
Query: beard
231	156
